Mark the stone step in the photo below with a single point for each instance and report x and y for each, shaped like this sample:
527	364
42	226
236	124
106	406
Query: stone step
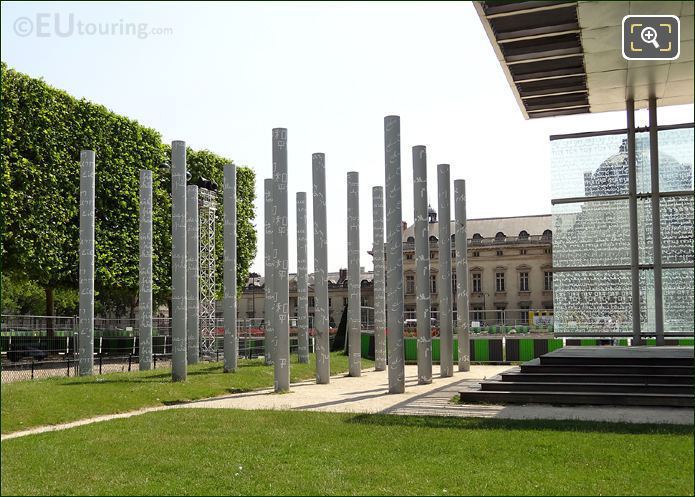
587	387
643	379
536	367
587	398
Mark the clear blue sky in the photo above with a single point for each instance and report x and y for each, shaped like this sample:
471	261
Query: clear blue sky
222	75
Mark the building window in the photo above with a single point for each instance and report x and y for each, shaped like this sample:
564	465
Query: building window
365	302
524	313
499	313
330	302
499	282
345	301
433	283
312	302
433	254
548	281
409	284
477	282
523	282
546	251
409	256
409	312
476	253
500	253
434	312
453	254
477	314
522	252
453	282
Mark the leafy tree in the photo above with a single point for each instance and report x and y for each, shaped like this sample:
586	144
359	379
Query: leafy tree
43	132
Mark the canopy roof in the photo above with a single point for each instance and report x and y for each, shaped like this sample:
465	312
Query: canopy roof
565	58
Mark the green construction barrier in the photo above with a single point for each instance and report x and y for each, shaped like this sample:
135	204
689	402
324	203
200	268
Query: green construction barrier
411	349
482	350
588	342
526	349
687	341
435	350
554	344
365	345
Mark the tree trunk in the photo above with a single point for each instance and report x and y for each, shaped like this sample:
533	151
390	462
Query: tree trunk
50	310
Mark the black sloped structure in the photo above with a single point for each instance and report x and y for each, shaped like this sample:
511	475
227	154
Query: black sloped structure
637	376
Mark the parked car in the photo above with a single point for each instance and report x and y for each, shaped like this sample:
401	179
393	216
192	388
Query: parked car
27	351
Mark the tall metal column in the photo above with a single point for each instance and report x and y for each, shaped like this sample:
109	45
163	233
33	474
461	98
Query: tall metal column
379	279
302	281
86	324
178	260
656	222
280	246
192	269
145	295
422	270
634	247
231	340
446	335
269	301
394	242
463	319
321	321
353	237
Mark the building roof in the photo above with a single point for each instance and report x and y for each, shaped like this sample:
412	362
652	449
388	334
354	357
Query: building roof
489	227
565	58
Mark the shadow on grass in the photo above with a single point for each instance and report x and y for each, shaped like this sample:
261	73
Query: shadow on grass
142	377
513	424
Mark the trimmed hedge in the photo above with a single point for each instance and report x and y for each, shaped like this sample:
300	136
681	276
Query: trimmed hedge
43	130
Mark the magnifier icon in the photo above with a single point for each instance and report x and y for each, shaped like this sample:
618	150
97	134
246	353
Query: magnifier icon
649	35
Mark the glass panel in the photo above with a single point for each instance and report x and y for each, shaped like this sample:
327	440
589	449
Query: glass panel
593	301
591	233
678	299
675	160
595	165
677	214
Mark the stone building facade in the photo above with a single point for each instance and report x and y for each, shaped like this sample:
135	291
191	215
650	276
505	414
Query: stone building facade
510	266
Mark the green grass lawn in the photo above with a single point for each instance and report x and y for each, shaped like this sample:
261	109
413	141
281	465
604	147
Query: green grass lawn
59	400
232	452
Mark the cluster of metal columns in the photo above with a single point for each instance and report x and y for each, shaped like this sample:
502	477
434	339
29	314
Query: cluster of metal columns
387	247
184	257
388	267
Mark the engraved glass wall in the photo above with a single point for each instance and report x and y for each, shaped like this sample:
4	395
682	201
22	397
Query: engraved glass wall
594	234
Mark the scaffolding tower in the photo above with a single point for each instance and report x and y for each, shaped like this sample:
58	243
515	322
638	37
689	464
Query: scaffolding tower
207	208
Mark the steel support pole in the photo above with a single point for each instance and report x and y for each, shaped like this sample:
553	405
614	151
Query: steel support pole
280	246
634	247
353	237
231	339
302	282
145	296
178	261
192	269
394	242
379	279
269	301
656	222
446	335
86	283
422	269
461	241
321	320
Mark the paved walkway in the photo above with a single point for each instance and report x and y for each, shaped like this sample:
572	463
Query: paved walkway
365	394
369	394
